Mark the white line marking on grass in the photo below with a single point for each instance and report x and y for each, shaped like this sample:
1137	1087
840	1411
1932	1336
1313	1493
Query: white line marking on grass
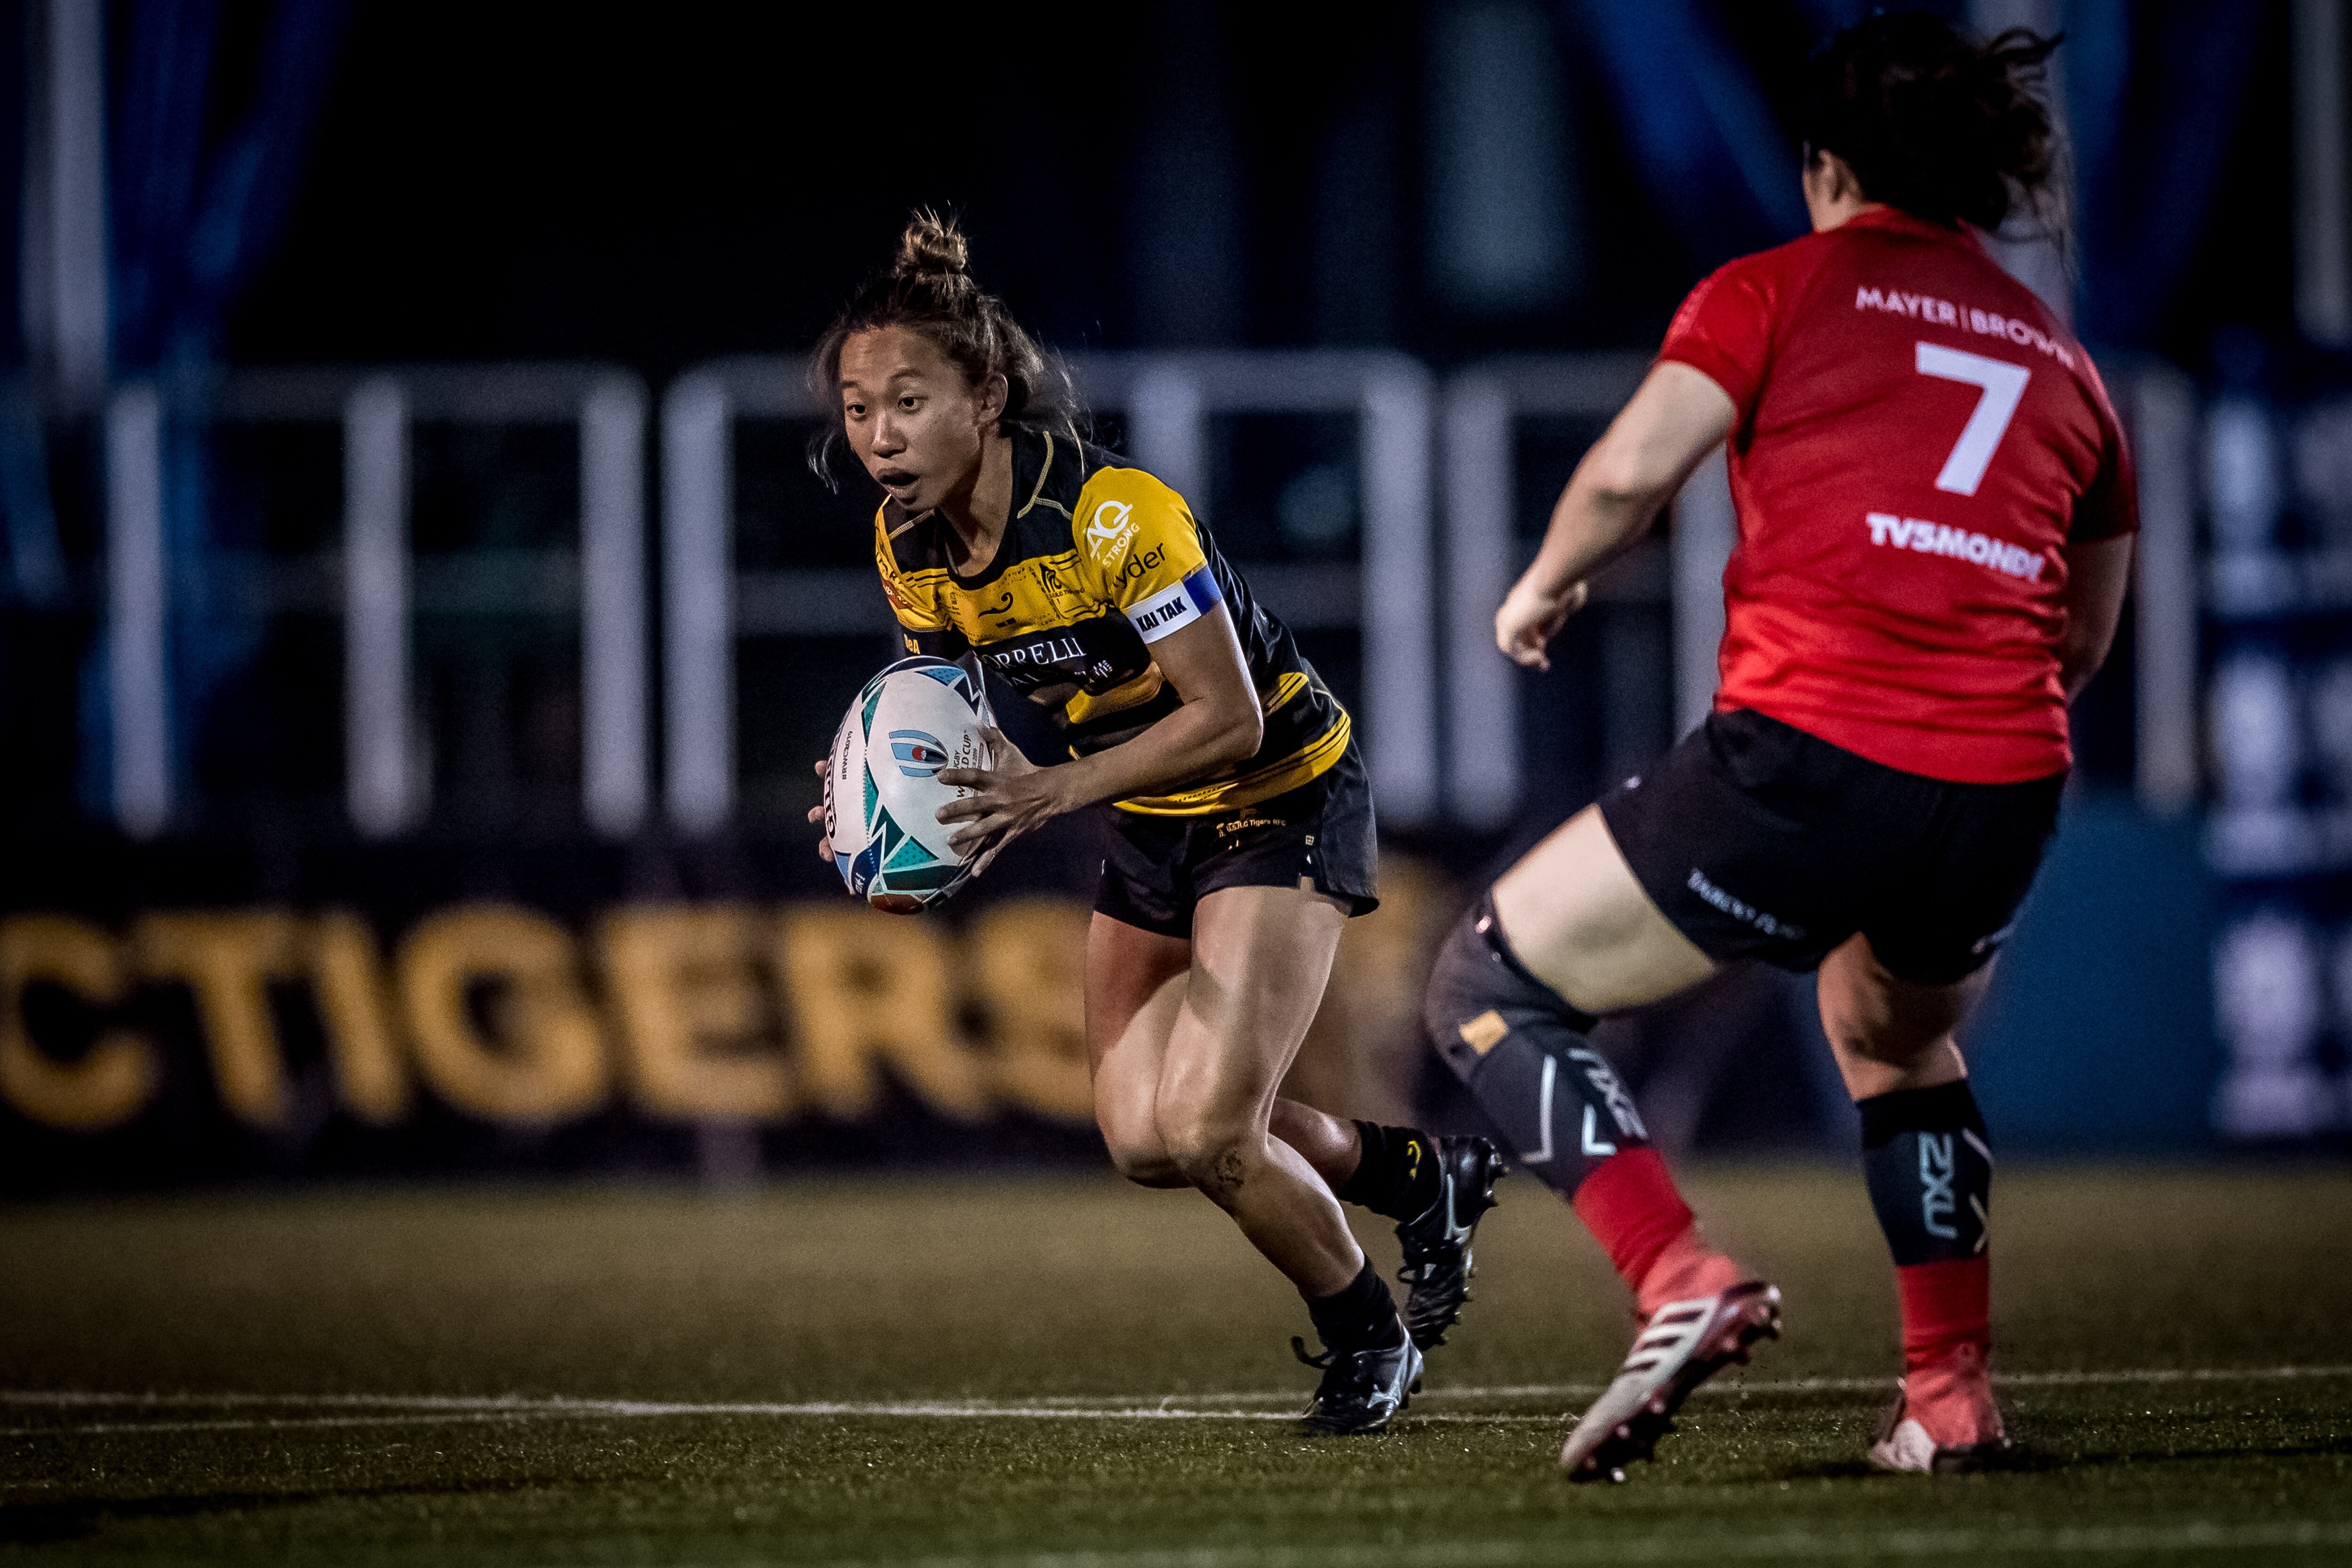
447	1417
264	1424
392	1409
1802	1546
1734	1384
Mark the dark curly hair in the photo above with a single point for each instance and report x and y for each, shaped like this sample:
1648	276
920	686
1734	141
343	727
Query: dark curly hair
930	288
1945	127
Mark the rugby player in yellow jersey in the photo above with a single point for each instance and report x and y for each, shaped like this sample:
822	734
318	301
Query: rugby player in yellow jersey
1240	817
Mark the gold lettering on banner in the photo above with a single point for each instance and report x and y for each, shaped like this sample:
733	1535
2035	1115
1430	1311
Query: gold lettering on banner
108	1084
691	1014
868	991
1029	967
355	1006
496	1014
227	958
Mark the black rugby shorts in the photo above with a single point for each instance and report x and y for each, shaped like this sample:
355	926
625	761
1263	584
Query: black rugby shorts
1758	840
1320	836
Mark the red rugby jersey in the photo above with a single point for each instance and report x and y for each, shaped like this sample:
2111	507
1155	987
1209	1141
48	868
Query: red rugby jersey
1916	439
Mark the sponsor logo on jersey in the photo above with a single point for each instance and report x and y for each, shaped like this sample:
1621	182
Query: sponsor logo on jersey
920	756
1040	651
1942	539
1110	530
1136	566
1967	318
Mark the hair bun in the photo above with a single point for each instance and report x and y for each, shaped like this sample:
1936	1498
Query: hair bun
931	244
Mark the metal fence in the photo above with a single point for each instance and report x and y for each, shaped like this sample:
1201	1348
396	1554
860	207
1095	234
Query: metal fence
1445	525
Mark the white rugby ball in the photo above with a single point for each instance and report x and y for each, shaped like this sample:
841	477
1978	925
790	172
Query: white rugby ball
882	790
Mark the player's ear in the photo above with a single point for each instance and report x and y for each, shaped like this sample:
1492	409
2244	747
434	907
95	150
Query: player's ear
993	393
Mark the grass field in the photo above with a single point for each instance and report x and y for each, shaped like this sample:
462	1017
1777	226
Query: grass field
1070	1373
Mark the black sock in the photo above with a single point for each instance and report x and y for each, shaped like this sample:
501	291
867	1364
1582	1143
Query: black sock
1527	1057
1930	1172
1362	1316
1398	1175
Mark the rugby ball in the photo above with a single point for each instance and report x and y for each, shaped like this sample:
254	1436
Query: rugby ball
882	789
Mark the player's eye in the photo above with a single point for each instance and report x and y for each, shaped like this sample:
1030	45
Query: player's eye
910	402
852	410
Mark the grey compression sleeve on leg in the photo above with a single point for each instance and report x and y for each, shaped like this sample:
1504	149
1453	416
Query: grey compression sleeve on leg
1527	1057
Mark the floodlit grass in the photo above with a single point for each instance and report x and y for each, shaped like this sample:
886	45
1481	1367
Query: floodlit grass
296	1345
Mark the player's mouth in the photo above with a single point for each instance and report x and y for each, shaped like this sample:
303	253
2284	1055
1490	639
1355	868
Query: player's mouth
898	481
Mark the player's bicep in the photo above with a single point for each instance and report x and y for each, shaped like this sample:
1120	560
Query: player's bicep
1676	417
1203	661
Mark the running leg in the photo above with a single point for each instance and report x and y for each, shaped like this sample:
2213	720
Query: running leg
1132	1001
1930	1169
1509	1014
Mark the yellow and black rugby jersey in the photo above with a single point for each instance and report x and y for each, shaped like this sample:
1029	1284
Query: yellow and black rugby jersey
1098	563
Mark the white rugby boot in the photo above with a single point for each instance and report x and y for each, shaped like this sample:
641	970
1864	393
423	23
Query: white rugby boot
1683	1344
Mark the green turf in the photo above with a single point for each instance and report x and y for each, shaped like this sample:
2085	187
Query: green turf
1103	1297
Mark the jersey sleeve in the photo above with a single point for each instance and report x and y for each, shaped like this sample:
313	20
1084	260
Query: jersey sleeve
923	627
1724	330
2110	509
1139	539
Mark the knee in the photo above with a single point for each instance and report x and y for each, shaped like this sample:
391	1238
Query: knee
1882	1041
1474	996
1147	1165
1136	1154
1214	1152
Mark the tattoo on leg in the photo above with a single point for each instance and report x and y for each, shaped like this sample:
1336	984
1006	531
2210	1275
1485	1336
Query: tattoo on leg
1227	1170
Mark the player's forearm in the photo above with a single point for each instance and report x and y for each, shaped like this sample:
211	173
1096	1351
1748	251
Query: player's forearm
1630	475
1592	525
2097	574
1184	748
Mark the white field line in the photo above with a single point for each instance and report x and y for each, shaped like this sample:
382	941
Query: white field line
2195	1535
397	1409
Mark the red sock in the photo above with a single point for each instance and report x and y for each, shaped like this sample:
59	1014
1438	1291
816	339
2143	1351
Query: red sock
1630	1202
1945	1305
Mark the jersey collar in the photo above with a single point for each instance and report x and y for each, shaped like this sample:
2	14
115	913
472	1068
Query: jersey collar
1047	471
1899	221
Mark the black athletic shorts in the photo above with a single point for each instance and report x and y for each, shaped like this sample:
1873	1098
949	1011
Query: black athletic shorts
1760	841
1318	835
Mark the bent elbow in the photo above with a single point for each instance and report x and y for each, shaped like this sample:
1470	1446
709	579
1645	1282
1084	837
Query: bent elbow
1618	492
1242	737
2077	664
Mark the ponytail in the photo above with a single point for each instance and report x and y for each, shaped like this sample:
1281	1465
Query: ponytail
1947	130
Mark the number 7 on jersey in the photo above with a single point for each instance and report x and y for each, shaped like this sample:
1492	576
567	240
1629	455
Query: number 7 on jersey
2003	385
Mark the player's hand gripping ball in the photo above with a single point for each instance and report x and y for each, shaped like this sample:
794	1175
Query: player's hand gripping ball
882	789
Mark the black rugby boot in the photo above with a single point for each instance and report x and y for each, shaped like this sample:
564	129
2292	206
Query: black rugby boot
1437	1241
1362	1389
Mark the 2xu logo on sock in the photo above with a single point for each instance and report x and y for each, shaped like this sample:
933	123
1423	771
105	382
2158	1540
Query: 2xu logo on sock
1939	1203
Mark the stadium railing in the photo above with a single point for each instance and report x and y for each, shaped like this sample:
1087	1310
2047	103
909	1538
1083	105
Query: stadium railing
1440	543
376	409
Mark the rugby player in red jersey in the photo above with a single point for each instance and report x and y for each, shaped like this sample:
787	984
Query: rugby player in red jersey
1935	512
